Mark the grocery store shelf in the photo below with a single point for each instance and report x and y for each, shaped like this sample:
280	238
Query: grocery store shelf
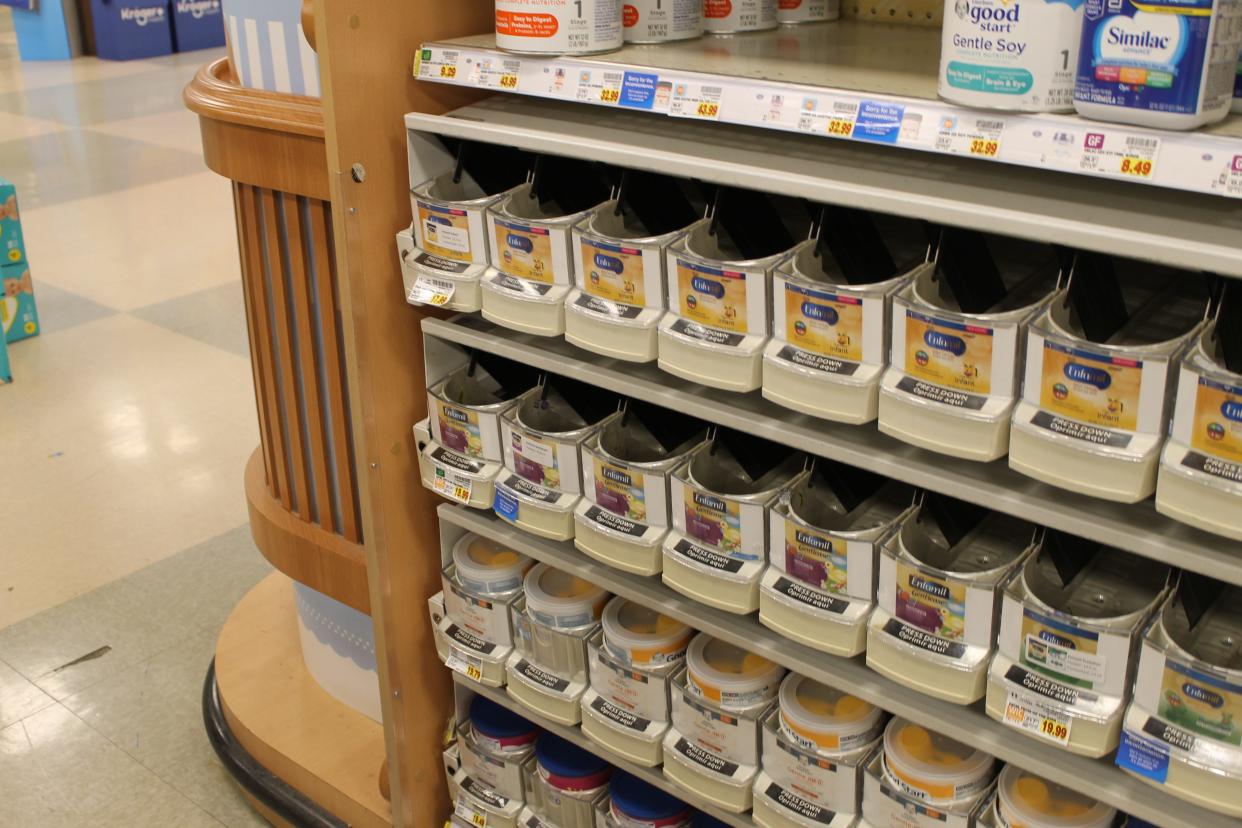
1137	528
652	776
859	82
1098	778
1179	229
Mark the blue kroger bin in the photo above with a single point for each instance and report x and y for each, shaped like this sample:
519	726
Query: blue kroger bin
131	29
197	24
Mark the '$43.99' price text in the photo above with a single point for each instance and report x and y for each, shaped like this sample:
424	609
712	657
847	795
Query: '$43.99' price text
708	110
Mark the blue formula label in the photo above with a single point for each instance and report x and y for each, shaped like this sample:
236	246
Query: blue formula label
1157	55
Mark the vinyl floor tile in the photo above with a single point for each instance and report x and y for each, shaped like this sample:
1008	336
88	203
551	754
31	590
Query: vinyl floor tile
60	309
178	129
83	103
17	127
216	316
18	697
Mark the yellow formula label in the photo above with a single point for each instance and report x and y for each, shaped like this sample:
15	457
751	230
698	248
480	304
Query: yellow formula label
613	272
459	430
446	231
525	251
933	605
711	296
1218	420
816	558
1091	388
824	323
620	490
1201	703
713	520
949	354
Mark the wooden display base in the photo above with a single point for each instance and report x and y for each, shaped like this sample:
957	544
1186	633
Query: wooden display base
288	723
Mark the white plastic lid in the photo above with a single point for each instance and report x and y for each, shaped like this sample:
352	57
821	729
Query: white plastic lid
932	764
1030	801
643	637
729	675
558	599
823	718
486	567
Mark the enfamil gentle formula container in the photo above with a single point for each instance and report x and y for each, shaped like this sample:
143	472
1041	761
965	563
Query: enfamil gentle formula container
1067	650
459	449
934	625
624	514
718	548
823	548
542	437
958	335
1100	363
532	257
1024	800
1183	729
832	303
1201	469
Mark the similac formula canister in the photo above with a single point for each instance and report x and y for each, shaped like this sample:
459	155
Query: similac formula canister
1010	54
737	16
1170	64
1024	800
577	27
659	21
793	12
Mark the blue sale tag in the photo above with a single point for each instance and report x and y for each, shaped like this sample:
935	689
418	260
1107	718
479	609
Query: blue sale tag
505	505
638	90
1144	758
879	122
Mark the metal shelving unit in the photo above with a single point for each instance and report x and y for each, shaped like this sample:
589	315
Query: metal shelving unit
1135	528
1098	778
652	776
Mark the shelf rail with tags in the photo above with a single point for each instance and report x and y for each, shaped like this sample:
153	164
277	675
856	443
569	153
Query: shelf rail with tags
853	82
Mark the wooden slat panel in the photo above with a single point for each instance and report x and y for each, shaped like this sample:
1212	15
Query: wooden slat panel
336	390
299	266
283	333
243	217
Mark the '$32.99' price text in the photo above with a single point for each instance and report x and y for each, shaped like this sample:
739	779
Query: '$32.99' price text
988	149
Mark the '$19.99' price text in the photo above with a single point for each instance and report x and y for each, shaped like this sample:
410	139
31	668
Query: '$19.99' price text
1054	730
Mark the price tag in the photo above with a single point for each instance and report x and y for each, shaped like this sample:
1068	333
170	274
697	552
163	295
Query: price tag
459	662
497	73
437	64
840	127
984	147
1136	167
1119	154
961	134
467	812
452	486
595	86
1034	716
428	290
694	100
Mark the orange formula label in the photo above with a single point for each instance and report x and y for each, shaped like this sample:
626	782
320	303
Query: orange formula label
711	296
949	354
1091	388
525	251
1218	420
824	323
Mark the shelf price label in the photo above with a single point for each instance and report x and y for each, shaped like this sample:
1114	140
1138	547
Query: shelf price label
509	81
452	486
428	290
840	127
963	134
695	100
466	812
459	662
1037	717
984	147
496	73
1119	154
1137	167
437	64
596	86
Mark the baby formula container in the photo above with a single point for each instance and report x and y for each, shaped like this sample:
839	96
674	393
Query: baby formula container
448	250
717	550
542	438
624	517
560	600
568	782
1024	800
558	27
824	537
494	744
1070	625
795	12
1168	65
635	804
661	21
1099	368
460	453
934	626
958	334
719	289
1201	469
932	767
820	718
728	676
831	307
532	255
642	637
620	295
1016	55
738	16
1188	698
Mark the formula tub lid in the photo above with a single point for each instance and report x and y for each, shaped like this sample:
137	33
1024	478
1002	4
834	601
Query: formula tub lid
1028	800
568	766
492	720
560	595
488	567
640	801
719	668
932	762
644	634
816	708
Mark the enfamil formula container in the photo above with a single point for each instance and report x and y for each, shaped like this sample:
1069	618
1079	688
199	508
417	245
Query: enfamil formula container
459	449
532	257
957	343
832	303
632	661
624	515
719	290
620	292
934	626
718	548
542	436
445	252
1200	479
1168	64
1071	619
493	744
1100	363
1024	800
823	547
1182	731
567	784
814	746
923	779
718	704
552	624
632	803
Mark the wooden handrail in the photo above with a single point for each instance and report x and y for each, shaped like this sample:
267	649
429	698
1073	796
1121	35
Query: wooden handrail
213	96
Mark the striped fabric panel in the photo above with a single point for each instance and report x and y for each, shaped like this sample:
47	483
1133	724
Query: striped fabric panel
268	47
